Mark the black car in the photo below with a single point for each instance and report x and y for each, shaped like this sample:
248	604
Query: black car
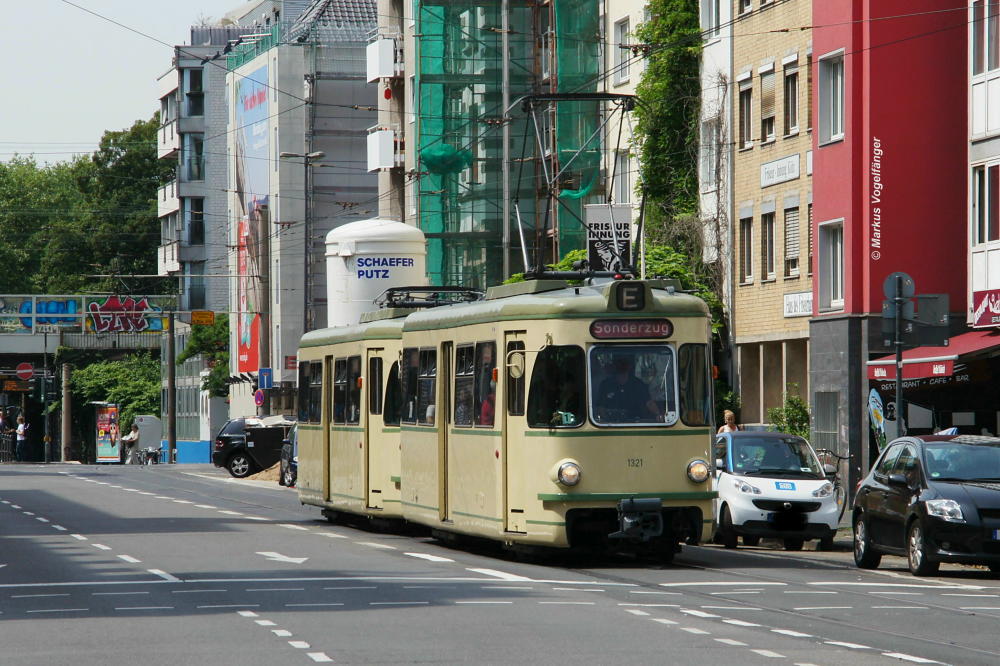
932	499
289	470
248	444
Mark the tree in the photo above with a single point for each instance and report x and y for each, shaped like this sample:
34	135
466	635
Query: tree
212	342
793	416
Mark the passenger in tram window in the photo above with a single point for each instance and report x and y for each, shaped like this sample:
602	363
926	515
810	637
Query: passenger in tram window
463	407
623	397
487	411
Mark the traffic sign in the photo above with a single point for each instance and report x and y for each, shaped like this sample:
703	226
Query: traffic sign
258	397
202	317
265	378
24	371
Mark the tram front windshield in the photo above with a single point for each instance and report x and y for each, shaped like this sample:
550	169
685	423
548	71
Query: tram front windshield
633	384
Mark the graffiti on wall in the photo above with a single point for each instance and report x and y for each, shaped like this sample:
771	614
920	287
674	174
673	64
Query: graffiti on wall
73	314
128	315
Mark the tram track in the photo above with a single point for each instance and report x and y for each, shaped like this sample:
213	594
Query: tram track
953	648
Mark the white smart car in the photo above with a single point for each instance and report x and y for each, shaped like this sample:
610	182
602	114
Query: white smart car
772	485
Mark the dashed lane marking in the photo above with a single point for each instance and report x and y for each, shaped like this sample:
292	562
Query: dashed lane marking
59	527
768	653
143	608
707	583
372	544
899	607
636	611
398	603
319	657
164	575
283	633
805	608
732	608
697	613
246	613
195	591
793	634
100	546
227	512
693	630
37	596
429	558
483	603
311	605
60	610
909	657
741	623
129	558
42	520
500	574
301	645
730	641
265	623
116	594
205	506
850	646
275	589
566	603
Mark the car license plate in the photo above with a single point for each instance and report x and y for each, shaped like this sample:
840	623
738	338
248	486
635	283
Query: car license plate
784	485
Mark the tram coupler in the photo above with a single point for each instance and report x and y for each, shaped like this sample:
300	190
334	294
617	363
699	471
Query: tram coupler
639	518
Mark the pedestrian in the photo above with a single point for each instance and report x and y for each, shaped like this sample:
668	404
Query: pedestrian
131	440
730	422
22	440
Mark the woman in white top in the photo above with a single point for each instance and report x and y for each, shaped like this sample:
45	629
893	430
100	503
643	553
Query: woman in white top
132	441
22	439
730	424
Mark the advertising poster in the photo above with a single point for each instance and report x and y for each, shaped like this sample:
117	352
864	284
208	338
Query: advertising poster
107	434
251	168
609	237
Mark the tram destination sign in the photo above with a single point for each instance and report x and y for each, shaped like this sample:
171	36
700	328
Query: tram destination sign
622	329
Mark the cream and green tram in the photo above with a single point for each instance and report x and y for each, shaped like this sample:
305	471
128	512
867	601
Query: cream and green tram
349	417
554	415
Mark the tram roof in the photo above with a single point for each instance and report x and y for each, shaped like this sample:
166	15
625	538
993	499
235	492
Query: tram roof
378	325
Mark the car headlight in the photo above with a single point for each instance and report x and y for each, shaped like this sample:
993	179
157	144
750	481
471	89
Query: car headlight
745	487
824	491
569	474
698	471
945	509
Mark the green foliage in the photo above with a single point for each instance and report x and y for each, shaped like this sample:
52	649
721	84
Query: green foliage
665	261
61	223
793	416
132	383
667	128
564	264
212	342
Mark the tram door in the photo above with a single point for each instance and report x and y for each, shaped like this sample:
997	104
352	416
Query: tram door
375	458
443	423
512	426
325	417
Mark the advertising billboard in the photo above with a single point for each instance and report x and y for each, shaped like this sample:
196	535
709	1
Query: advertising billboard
107	434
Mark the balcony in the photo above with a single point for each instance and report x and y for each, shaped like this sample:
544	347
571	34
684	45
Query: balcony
385	149
384	56
167	258
168	140
166	199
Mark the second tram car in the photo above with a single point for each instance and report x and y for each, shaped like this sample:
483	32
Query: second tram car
544	414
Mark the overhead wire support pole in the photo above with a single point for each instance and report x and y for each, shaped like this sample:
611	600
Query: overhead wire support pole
505	93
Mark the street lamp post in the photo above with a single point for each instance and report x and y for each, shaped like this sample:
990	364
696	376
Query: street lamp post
307	160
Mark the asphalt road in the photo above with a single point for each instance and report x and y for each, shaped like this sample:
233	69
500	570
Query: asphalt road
180	564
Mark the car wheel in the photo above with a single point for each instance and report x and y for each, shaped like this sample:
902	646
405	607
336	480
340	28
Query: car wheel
240	465
727	535
281	475
751	540
864	555
794	544
916	551
288	477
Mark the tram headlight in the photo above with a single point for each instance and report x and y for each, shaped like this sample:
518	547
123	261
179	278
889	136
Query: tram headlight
698	471
569	474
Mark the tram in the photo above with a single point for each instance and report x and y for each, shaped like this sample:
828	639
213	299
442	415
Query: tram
541	415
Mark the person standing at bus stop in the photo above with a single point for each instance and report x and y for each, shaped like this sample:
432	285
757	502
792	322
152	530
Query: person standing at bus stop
20	450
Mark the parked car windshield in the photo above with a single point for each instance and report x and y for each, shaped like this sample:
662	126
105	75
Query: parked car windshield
775	456
963	461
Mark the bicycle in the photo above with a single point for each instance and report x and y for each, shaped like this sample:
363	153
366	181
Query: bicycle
834	459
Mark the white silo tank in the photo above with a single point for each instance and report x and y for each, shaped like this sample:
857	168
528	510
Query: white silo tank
365	258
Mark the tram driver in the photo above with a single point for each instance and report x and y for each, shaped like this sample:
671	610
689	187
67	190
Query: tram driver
623	397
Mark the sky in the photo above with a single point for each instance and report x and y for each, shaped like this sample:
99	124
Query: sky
71	75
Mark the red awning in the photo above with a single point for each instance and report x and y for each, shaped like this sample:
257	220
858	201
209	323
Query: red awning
934	361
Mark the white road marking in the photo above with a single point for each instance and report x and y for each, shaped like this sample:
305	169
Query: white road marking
79	537
100	546
500	574
60	610
301	645
727	594
918	586
672	594
59	527
732	608
577	589
228	513
332	535
205	506
194	591
319	657
129	558
805	608
293	527
284	633
979	608
371	544
697	613
42	520
139	608
809	592
693	630
28	513
398	603
164	575
256	518
246	613
899	593
430	558
37	596
957	594
850	646
651	605
793	634
899	607
662	620
143	492
265	623
566	603
275	589
230	606
636	611
183	501
131	490
307	605
768	653
741	623
715	583
730	641
909	657
278	557
116	594
353	587
161	497
507	587
14	506
483	603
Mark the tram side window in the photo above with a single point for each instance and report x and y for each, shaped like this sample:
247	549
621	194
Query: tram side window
486	385
304	370
316	392
408	384
390	407
556	393
693	377
465	356
426	380
374	383
515	387
339	389
354	390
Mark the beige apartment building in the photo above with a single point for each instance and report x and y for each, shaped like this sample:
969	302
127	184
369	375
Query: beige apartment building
772	201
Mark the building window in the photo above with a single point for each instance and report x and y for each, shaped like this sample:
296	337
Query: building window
194	92
195	209
709	153
977	36
791	242
622	55
767	246
767	106
745	6
746	117
746	250
623	179
196	285
831	98
710	11
194	157
986	203
791	100
831	265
